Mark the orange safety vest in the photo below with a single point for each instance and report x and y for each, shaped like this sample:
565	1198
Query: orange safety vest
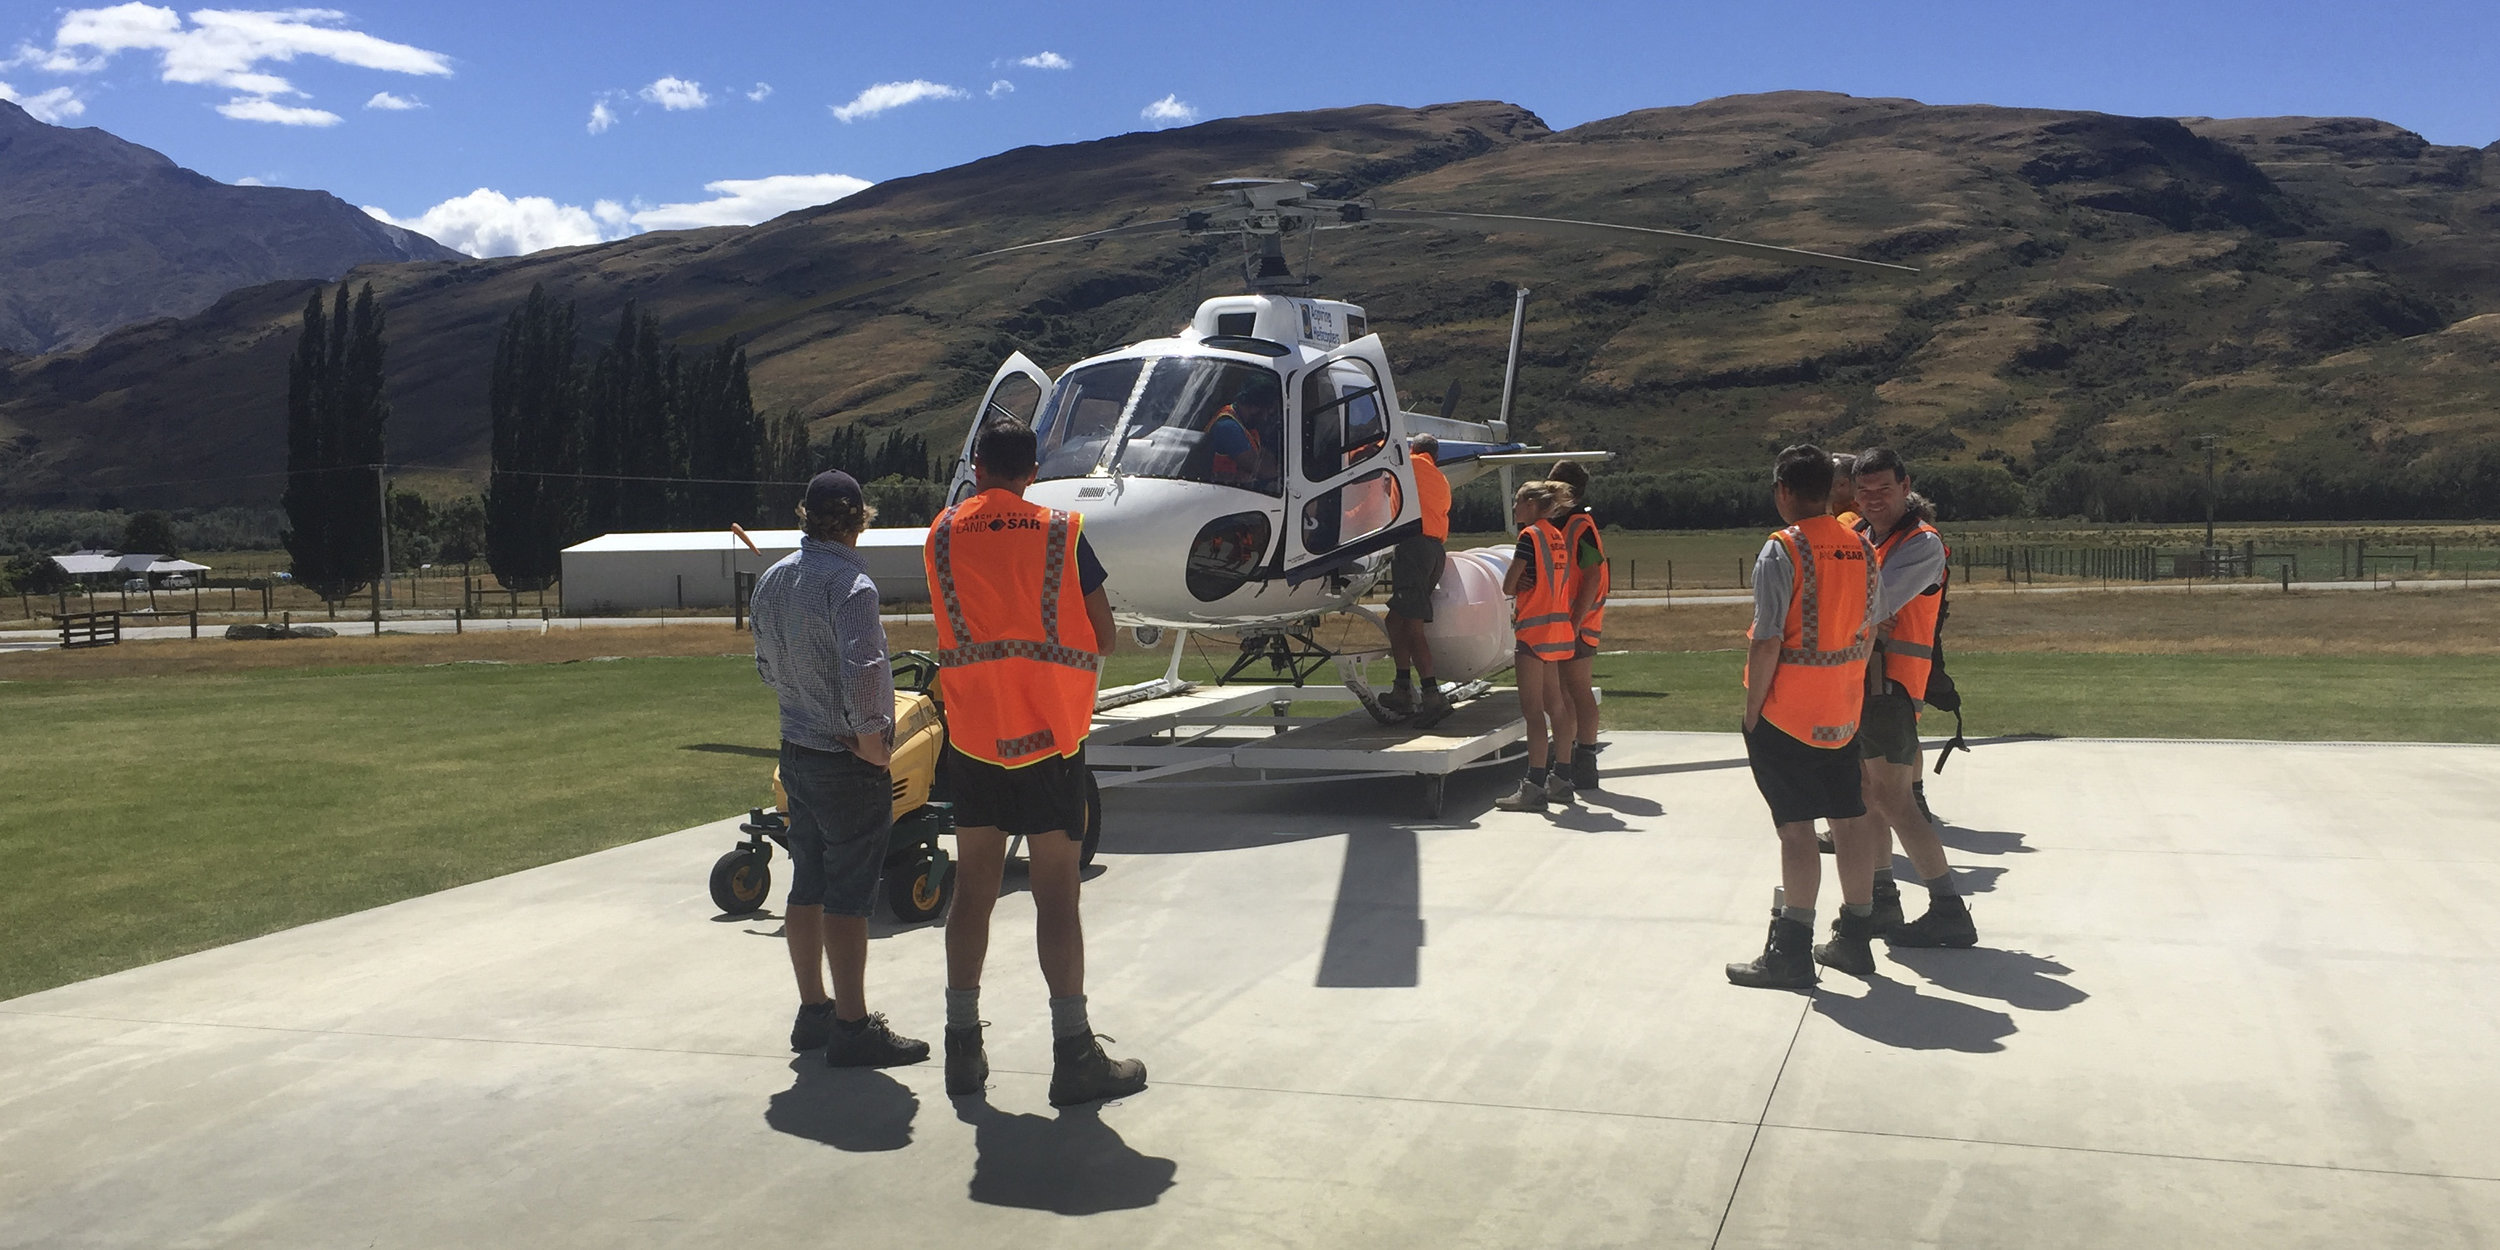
1594	624
1432	494
1910	654
1017	653
1821	682
1540	617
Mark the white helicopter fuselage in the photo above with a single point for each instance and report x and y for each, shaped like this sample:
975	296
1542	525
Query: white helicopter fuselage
1250	472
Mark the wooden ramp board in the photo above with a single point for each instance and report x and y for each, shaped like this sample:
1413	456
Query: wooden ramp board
1356	742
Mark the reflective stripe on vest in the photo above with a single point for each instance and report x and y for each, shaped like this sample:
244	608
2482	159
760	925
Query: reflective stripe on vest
1819	687
1593	625
1016	690
1541	615
1910	654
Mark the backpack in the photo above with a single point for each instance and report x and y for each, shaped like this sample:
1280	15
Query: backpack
1942	694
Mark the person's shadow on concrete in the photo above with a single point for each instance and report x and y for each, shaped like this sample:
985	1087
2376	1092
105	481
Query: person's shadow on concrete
1976	880
1073	1164
1894	1014
855	1109
2016	978
1983	841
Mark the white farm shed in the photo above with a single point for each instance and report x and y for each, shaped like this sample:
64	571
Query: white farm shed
640	572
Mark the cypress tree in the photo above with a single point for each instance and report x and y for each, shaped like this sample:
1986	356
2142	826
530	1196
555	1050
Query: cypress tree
533	397
336	413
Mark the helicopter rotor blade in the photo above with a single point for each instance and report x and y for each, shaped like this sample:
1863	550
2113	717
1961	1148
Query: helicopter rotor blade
1604	232
1140	227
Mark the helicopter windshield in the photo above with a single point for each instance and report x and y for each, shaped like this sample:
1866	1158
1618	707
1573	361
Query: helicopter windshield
1189	418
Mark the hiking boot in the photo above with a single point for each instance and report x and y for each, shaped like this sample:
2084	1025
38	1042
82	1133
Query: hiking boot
1531	798
1434	706
1558	787
1398	700
1887	908
1918	794
1786	961
1848	950
872	1045
967	1066
1080	1072
1947	923
1584	767
813	1028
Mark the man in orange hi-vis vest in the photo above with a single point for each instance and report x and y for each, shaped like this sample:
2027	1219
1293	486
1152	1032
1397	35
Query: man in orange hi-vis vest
1022	624
1915	567
1805	678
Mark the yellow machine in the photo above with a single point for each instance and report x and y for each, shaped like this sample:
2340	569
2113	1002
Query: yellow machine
919	875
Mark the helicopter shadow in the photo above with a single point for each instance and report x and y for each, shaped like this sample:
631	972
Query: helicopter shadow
860	1110
1070	1164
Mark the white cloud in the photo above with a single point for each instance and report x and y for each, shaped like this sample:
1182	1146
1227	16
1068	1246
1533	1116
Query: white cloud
489	223
1046	60
248	180
54	106
227	48
763	91
394	103
253	108
612	215
893	95
1169	111
675	94
601	117
53	61
746	201
1000	88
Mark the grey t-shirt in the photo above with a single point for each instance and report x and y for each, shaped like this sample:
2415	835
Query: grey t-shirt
1773	578
1913	565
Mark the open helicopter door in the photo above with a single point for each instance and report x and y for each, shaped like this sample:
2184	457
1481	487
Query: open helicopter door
1350	491
1016	390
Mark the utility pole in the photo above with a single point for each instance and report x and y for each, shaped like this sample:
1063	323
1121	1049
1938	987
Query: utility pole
382	500
2210	441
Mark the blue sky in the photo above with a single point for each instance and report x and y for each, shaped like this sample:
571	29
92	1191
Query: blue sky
508	126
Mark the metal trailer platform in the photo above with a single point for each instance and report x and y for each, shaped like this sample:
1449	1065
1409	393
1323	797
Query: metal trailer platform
1248	735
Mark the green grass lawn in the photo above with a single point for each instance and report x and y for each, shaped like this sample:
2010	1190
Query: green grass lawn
143	818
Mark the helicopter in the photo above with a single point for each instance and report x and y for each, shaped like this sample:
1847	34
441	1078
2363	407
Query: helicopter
1263	529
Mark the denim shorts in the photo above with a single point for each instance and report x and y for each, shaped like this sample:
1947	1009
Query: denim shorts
840	809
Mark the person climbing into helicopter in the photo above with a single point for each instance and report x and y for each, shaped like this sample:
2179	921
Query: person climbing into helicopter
1414	573
1243	438
1538	581
1590	581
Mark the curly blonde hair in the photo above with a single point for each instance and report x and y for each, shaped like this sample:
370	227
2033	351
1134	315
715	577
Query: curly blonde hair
1545	493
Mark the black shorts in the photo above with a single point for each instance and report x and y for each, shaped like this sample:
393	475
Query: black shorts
1041	797
1804	783
1414	571
1888	727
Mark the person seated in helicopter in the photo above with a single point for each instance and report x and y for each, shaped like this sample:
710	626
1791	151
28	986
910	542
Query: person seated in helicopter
1243	439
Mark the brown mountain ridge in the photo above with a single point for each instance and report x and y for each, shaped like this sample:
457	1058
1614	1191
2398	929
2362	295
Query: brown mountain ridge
2094	291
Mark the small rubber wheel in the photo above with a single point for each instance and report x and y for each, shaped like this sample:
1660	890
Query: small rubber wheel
1434	785
919	890
1093	821
741	881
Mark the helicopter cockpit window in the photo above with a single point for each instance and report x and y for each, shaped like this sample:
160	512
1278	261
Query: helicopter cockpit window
1083	413
1191	418
1342	422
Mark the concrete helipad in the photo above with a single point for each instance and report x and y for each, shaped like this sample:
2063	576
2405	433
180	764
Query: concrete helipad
2229	994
